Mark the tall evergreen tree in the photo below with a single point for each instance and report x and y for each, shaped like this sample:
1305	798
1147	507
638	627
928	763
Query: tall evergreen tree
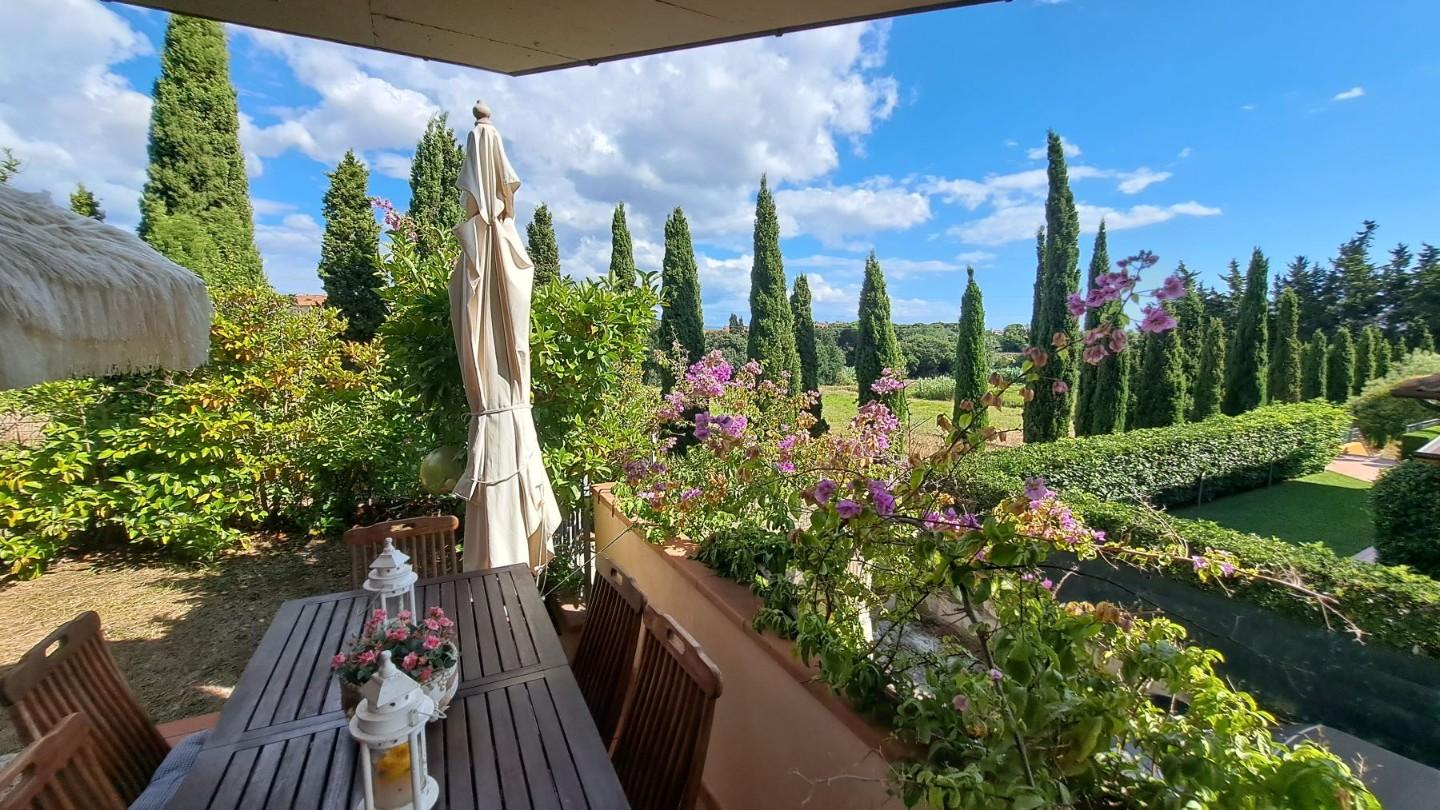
972	361
772	325
1382	350
681	318
622	253
1191	323
1365	350
1104	387
1210	380
1162	381
735	325
195	207
1340	367
1420	338
350	250
1247	366
876	346
434	197
1285	372
805	346
544	248
1298	277
1422	301
1397	280
1358	279
1234	293
1313	384
84	202
1397	351
1132	378
1048	415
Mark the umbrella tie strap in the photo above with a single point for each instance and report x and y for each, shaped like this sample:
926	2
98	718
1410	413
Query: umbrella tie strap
505	409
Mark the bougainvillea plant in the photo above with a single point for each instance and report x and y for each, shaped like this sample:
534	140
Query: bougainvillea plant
421	647
1019	699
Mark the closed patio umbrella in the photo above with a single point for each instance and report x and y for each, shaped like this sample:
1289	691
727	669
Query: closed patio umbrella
79	298
511	510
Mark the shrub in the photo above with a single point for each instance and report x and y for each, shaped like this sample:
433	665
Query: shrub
1406	501
1171	465
941	389
1381	417
1392	604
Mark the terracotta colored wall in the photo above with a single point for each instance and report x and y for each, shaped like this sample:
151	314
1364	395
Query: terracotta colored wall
777	733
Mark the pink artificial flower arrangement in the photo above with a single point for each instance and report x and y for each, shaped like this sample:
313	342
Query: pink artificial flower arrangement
421	647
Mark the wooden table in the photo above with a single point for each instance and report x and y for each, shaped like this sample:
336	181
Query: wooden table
517	734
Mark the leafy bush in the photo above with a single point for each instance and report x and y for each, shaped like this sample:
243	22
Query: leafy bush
1406	501
1392	604
1381	417
1170	465
284	422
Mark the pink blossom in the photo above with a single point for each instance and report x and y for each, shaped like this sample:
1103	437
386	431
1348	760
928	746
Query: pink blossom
431	642
444	622
398	634
1036	490
424	675
1047	584
338	661
410	661
848	509
366	658
785	466
881	497
888	383
403	615
996	675
1156	320
960	703
1118	340
1227	569
690	494
824	491
379	615
1173	287
1060	388
1093	354
1075	304
432	624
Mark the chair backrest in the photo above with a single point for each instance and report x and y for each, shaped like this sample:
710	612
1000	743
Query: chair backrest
430	542
605	659
59	771
70	672
659	748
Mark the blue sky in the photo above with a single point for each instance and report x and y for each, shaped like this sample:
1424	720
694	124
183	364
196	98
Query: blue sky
1199	130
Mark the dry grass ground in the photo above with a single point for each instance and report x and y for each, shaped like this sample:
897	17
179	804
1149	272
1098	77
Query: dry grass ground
181	634
841	403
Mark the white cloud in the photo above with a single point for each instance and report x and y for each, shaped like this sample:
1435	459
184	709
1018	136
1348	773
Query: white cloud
1247	107
1185	153
1347	95
392	164
973	257
269	208
1016	223
291	248
833	214
1070	150
1140	179
63	110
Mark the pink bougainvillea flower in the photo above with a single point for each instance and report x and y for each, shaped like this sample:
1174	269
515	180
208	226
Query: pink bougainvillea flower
888	383
824	491
785	466
1173	287
1075	304
1119	340
1036	490
1048	584
1156	320
1227	569
848	509
1199	562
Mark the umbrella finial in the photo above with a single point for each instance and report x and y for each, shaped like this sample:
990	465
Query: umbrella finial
482	112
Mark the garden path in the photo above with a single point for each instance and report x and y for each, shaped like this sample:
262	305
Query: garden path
1365	468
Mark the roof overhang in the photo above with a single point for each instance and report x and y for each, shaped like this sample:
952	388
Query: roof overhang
529	36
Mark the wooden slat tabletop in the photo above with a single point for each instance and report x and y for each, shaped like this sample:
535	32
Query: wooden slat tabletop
517	735
502	629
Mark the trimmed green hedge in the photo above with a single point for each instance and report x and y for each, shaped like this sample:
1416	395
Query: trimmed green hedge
1175	465
1392	604
1416	439
1406	501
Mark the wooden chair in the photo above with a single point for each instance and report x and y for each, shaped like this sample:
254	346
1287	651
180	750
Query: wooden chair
59	771
659	748
72	671
430	542
605	660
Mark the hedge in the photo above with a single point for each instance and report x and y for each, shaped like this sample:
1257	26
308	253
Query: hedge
1416	439
1406	501
1171	466
1391	604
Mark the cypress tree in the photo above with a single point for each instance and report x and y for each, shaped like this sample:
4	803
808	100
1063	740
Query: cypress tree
196	203
350	250
1132	378
1285	373
1047	415
1382	351
1234	291
1365	349
1397	351
772	325
1192	323
876	346
805	346
1340	367
1104	388
622	253
434	198
1162	381
681	318
1420	338
1312	384
1247	367
972	363
1085	396
1210	379
735	324
544	249
84	203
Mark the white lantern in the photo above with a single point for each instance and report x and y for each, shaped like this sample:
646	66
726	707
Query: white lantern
392	580
389	725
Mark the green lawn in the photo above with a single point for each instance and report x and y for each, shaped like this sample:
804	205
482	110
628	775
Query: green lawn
840	404
1328	507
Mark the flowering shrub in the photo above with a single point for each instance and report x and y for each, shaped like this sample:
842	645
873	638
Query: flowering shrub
1024	701
422	648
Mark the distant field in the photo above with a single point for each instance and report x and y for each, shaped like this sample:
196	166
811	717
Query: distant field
841	403
1326	507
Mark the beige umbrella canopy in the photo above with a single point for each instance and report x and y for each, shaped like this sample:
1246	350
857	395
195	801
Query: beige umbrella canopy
79	298
511	511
